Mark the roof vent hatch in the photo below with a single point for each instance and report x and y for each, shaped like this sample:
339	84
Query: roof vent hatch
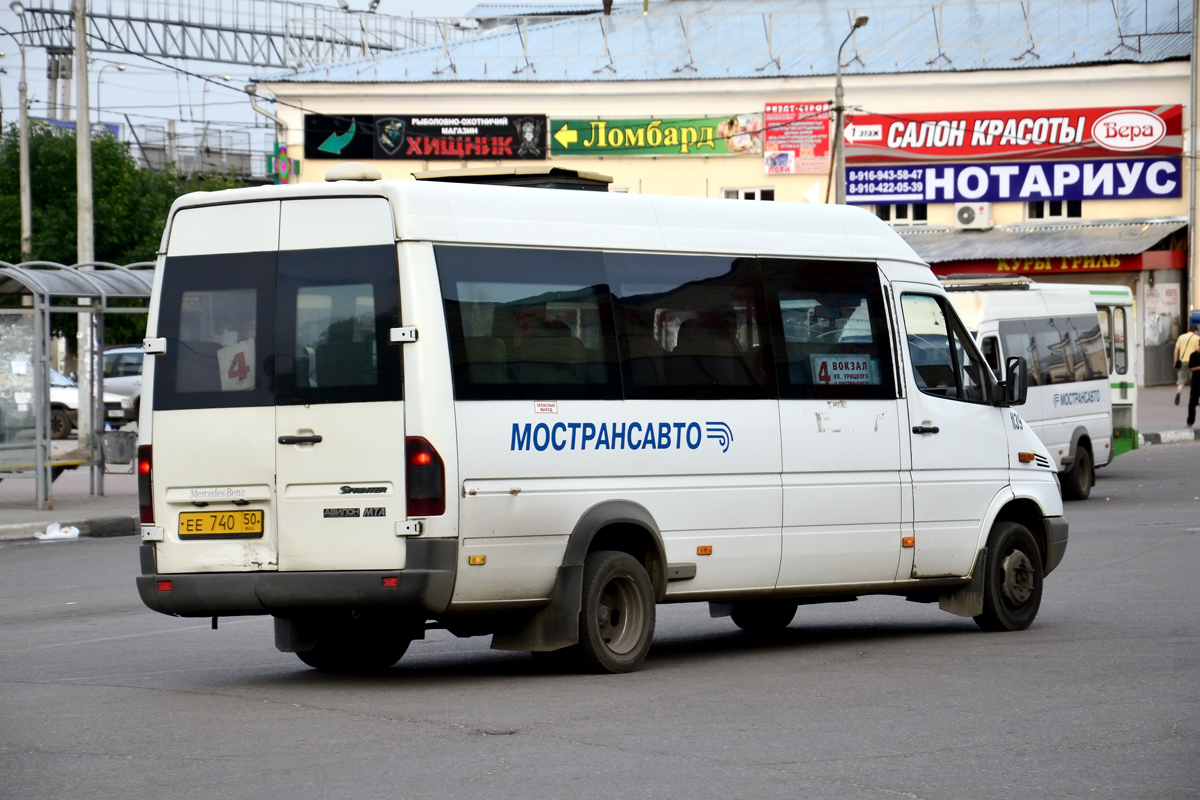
353	171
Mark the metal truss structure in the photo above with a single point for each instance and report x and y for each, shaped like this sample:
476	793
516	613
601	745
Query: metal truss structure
257	33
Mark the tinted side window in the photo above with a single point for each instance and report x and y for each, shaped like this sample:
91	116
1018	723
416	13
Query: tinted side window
217	314
1089	341
1119	360
690	327
991	353
944	362
1058	349
1105	316
122	365
528	324
335	308
830	321
1019	342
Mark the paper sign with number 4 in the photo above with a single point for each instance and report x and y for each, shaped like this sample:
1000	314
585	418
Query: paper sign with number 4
839	370
236	364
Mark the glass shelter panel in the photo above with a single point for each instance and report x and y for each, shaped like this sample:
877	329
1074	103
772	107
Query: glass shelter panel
17	410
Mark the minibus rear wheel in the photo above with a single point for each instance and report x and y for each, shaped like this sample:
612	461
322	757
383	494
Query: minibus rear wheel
764	616
616	617
1012	581
357	659
1077	483
355	649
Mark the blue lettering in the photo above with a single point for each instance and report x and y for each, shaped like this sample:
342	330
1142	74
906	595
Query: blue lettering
520	437
648	439
634	444
618	434
679	426
542	436
541	429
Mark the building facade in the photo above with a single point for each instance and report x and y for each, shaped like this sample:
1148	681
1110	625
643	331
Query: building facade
1045	139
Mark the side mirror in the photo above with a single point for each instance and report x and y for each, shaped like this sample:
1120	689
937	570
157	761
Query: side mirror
1016	381
74	376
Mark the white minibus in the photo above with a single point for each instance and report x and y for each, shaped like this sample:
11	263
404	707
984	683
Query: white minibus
1055	327
372	408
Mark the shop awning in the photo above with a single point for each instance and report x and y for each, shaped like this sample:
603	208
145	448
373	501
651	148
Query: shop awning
1041	240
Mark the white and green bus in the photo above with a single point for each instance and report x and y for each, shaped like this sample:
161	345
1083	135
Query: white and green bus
1114	305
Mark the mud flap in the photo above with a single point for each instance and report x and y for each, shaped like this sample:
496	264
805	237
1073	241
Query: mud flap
968	600
554	627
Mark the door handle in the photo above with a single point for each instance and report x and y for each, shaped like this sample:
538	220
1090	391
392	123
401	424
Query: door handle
916	429
314	439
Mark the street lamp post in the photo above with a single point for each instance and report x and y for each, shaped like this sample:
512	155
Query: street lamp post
839	108
99	81
23	143
23	150
3	71
88	421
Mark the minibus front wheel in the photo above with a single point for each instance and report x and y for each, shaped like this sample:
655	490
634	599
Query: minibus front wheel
1012	580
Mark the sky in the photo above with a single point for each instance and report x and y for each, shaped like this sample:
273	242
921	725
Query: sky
149	94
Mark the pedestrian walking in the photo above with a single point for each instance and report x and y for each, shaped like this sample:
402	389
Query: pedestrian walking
1185	345
1194	368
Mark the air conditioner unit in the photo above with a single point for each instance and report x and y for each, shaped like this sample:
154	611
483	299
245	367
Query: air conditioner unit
973	216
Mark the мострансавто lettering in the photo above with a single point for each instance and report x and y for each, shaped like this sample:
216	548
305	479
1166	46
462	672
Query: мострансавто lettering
618	435
1076	398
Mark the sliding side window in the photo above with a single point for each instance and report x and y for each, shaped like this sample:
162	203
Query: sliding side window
690	327
831	321
528	324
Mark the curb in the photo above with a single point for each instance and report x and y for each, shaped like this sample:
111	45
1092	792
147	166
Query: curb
100	528
1169	437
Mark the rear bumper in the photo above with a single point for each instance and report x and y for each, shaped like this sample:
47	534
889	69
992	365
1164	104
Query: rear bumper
426	583
1056	538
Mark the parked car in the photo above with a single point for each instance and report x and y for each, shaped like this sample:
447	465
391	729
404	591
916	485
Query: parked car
64	406
123	373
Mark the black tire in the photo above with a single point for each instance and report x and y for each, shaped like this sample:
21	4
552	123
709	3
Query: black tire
356	649
1077	482
60	424
1012	581
616	617
764	616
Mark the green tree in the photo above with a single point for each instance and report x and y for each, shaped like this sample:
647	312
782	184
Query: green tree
131	207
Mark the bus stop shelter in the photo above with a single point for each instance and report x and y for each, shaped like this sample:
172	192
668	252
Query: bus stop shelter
25	334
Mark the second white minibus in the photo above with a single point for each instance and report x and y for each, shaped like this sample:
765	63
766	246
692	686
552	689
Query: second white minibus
376	407
1055	327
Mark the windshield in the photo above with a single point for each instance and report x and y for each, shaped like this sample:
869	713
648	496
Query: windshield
58	379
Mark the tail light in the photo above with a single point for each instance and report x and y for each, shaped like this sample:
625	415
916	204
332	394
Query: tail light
145	473
425	479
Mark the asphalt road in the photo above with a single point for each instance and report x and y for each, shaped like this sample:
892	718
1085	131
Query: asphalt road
102	698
